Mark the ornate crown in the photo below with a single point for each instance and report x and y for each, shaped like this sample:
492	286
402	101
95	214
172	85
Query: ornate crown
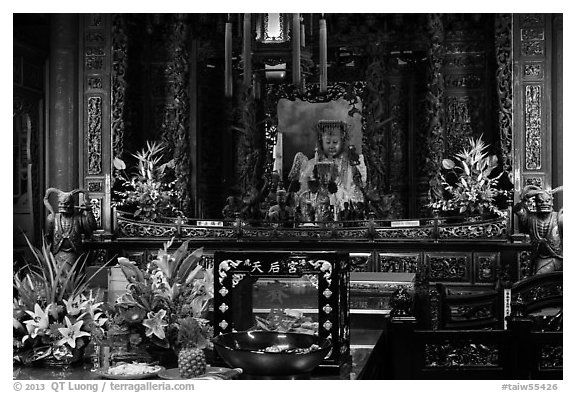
328	127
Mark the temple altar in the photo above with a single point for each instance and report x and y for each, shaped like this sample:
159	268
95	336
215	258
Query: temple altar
368	179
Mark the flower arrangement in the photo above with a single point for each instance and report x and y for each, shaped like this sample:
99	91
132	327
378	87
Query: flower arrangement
165	304
54	313
470	187
150	189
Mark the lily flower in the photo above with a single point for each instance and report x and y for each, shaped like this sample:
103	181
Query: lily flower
155	324
164	262
39	321
75	306
71	332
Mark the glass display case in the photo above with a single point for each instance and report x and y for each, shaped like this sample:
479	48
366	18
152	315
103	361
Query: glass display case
370	294
305	292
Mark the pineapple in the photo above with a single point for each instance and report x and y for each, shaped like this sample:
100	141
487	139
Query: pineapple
191	362
193	336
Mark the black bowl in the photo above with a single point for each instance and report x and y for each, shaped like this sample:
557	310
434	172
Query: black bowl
246	351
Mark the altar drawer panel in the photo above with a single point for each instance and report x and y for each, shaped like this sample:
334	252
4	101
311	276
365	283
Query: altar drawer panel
486	267
399	262
449	266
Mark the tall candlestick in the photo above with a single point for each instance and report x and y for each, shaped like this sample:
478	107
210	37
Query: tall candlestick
296	49
228	61
247	50
323	57
278	148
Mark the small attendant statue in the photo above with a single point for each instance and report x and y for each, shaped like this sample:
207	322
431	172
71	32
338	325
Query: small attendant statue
544	226
314	202
231	208
65	228
281	212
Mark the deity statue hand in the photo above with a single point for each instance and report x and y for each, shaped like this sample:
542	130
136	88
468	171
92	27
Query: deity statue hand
544	226
65	228
353	156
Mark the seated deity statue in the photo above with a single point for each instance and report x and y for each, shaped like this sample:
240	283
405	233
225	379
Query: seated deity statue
340	171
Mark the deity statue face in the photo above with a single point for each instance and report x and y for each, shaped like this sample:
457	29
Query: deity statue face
332	144
281	197
544	203
65	203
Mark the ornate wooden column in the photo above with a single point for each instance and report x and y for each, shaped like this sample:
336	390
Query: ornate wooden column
536	122
503	51
533	90
435	118
94	131
174	127
63	136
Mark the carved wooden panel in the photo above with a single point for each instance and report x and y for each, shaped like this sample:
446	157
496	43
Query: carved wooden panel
485	267
524	264
532	70
361	262
94	137
96	205
551	357
534	180
100	256
532	35
449	267
95	185
461	353
533	126
404	263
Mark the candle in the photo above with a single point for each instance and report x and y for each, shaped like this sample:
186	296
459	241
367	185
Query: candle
228	61
247	50
302	34
278	147
296	49
323	57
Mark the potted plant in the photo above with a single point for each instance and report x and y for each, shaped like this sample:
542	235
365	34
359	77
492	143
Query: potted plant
470	186
54	314
166	305
149	189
